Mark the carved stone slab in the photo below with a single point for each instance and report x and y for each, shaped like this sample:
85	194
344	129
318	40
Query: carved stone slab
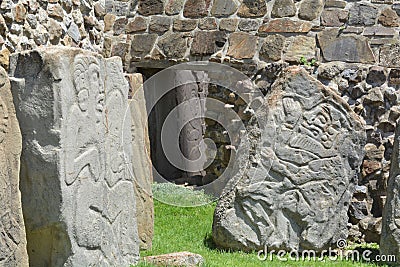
142	167
390	237
12	229
77	192
296	192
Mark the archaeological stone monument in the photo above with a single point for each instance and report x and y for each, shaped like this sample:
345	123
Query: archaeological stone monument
141	167
390	238
296	191
77	192
12	230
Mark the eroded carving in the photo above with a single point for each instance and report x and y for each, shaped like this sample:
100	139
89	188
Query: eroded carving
297	197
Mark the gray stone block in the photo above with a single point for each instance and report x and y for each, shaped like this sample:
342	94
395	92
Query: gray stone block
77	193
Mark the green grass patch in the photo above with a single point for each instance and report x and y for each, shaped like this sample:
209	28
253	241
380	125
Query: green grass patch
189	229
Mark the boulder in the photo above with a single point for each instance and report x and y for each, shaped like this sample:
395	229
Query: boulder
77	191
13	251
295	194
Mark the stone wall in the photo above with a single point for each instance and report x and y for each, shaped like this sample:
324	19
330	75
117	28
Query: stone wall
351	46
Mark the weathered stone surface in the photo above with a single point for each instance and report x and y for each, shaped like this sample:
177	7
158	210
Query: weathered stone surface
389	18
207	42
297	193
335	3
160	24
77	192
196	8
142	167
363	14
173	7
179	259
348	48
184	25
310	9
377	76
390	237
242	45
272	47
394	77
248	25
142	44
285	25
379	31
389	56
229	25
224	8
334	17
151	7
120	26
138	24
301	46
283	8
13	250
174	45
252	8
208	23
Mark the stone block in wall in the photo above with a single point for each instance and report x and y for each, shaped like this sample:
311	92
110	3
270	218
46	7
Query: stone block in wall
141	45
138	24
207	42
310	9
160	24
300	46
283	8
229	25
248	25
224	8
242	45
348	48
13	250
174	7
196	8
208	23
335	3
363	14
297	195
394	77
77	191
252	9
142	166
150	7
173	45
389	56
334	17
184	25
285	25
389	18
272	48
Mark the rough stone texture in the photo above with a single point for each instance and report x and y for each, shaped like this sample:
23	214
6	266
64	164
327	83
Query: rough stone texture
301	46
389	18
310	9
142	44
389	56
334	17
138	24
285	25
390	238
173	7
224	8
12	228
252	8
272	47
196	8
242	45
363	14
283	8
77	191
311	142
229	25
174	45
348	48
179	259
142	167
207	42
184	25
160	24
150	7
